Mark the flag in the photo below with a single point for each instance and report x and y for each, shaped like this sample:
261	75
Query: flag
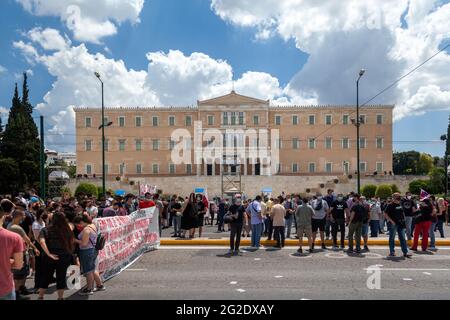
424	195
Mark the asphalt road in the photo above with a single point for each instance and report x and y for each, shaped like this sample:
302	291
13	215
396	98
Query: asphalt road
203	273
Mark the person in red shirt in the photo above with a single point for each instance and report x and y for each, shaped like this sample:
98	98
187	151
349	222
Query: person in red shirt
11	257
147	202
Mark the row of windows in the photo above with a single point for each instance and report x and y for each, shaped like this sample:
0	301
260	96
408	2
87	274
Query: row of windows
235	118
312	143
295	168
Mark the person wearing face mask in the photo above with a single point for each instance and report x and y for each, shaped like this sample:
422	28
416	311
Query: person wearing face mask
423	223
410	208
339	212
237	212
321	210
375	216
396	217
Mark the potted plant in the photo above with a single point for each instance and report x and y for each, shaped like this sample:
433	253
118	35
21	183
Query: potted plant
117	178
336	181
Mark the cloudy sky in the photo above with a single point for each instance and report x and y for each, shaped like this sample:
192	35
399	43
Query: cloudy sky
173	52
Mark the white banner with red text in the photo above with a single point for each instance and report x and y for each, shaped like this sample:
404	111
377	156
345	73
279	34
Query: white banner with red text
127	239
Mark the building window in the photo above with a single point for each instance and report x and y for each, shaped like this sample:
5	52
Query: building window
380	143
379	119
88	169
346	167
277	120
328	119
171	144
188	121
155	121
155	168
295	167
155	144
256	120
295	120
210	120
225	118
362	142
121	121
295	143
311	143
88	145
328	143
106	169
362	119
138	145
171	121
345	143
138	121
138	168
189	168
171	168
106	144
88	122
328	167
122	169
345	119
312	167
380	167
105	121
241	118
311	119
362	166
122	145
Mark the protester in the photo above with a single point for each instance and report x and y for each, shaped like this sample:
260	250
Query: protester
339	212
423	223
237	212
87	240
176	211
11	248
441	216
303	218
366	221
329	198
91	209
375	217
223	209
57	242
321	210
278	213
254	208
189	217
434	221
395	214
355	223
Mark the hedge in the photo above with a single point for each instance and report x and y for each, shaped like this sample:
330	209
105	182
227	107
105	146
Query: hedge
384	191
416	185
369	190
394	188
86	189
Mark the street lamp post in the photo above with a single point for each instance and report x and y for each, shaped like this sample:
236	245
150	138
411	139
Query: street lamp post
358	123
103	138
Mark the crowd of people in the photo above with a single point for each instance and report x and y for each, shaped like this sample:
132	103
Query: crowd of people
41	239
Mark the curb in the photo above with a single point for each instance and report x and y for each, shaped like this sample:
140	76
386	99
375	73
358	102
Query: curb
290	242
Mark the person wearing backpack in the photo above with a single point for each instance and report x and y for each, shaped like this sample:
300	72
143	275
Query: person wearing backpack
90	242
321	211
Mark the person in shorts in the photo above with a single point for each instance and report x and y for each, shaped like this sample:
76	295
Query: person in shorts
319	219
303	218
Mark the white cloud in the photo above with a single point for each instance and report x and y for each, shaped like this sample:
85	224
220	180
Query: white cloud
48	39
88	20
28	51
3	111
343	36
3	69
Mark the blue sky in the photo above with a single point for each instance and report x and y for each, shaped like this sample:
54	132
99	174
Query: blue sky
194	26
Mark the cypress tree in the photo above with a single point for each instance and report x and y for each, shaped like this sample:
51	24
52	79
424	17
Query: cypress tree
20	143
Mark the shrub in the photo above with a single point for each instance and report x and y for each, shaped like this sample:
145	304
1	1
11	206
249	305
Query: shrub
87	189
369	190
394	188
383	191
416	185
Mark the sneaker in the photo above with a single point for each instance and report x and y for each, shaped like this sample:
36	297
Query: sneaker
366	248
358	251
350	251
24	291
310	250
300	250
100	288
86	292
342	247
407	255
335	247
21	297
392	254
323	246
413	249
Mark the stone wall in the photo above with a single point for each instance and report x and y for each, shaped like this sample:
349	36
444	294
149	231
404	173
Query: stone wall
252	185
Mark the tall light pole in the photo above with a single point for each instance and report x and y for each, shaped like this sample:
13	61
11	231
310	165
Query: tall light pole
358	123
103	138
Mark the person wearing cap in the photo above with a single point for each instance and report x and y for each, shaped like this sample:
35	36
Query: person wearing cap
395	216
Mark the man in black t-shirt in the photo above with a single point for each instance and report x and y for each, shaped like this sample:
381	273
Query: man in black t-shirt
409	208
396	220
355	223
339	212
237	211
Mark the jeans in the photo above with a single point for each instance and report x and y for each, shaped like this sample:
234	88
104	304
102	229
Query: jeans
236	231
177	225
288	225
431	233
220	219
256	234
9	296
423	227
401	236
355	229
382	223
440	227
409	221
338	225
374	228
279	235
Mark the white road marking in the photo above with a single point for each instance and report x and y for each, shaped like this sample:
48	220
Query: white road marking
407	279
278	277
336	255
208	247
371	255
257	259
233	282
409	269
240	290
304	299
145	269
427	273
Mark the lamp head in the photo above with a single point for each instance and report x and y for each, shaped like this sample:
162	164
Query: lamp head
361	72
97	74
